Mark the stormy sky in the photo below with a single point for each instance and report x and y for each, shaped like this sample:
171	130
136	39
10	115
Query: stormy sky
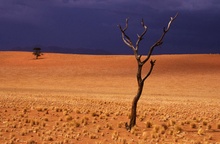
93	24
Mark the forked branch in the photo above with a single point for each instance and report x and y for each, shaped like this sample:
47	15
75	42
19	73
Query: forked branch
142	35
128	41
152	62
125	37
160	41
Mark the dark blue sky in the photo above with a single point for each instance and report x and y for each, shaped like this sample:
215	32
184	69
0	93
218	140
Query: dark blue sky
93	24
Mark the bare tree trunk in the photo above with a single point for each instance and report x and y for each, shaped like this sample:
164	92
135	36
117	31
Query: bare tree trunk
134	106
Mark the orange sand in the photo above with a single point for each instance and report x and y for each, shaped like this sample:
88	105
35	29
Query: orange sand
66	98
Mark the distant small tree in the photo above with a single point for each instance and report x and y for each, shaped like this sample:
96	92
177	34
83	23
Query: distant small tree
37	52
140	62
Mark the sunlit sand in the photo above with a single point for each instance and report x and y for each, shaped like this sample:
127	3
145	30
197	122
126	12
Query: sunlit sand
67	98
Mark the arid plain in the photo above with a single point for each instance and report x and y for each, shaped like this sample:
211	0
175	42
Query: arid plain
67	99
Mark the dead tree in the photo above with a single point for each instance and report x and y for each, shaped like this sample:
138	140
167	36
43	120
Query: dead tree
141	62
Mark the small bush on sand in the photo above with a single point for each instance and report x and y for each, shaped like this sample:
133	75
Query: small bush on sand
218	126
193	125
149	124
68	118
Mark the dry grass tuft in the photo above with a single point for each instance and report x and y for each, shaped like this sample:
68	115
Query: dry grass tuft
115	136
68	118
193	125
178	129
148	124
218	126
201	131
93	136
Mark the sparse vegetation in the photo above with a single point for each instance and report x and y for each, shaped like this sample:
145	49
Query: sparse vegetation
45	111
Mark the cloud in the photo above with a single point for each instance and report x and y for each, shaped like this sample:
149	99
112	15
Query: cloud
21	11
191	5
71	22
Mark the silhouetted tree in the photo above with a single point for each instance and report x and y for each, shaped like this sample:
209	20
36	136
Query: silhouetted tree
37	52
140	62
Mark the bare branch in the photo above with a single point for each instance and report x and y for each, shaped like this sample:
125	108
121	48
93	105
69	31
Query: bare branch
171	20
125	37
141	36
152	62
160	41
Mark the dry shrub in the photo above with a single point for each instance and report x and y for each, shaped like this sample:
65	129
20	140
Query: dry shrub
85	132
108	126
75	124
68	118
121	124
60	119
117	113
135	130
218	126
194	118
199	120
31	142
156	128
48	138
39	109
172	122
77	111
115	135
107	114
209	127
94	114
170	132
58	109
24	110
142	118
178	129
65	112
197	142
155	135
193	125
34	122
47	112
43	124
98	129
187	122
93	136
164	126
162	130
148	124
204	123
144	135
85	121
122	141
182	123
27	120
210	137
200	131
46	119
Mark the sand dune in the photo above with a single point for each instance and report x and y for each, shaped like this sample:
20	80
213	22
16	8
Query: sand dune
182	88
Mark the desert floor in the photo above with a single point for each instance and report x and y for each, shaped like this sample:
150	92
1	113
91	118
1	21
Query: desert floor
67	98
